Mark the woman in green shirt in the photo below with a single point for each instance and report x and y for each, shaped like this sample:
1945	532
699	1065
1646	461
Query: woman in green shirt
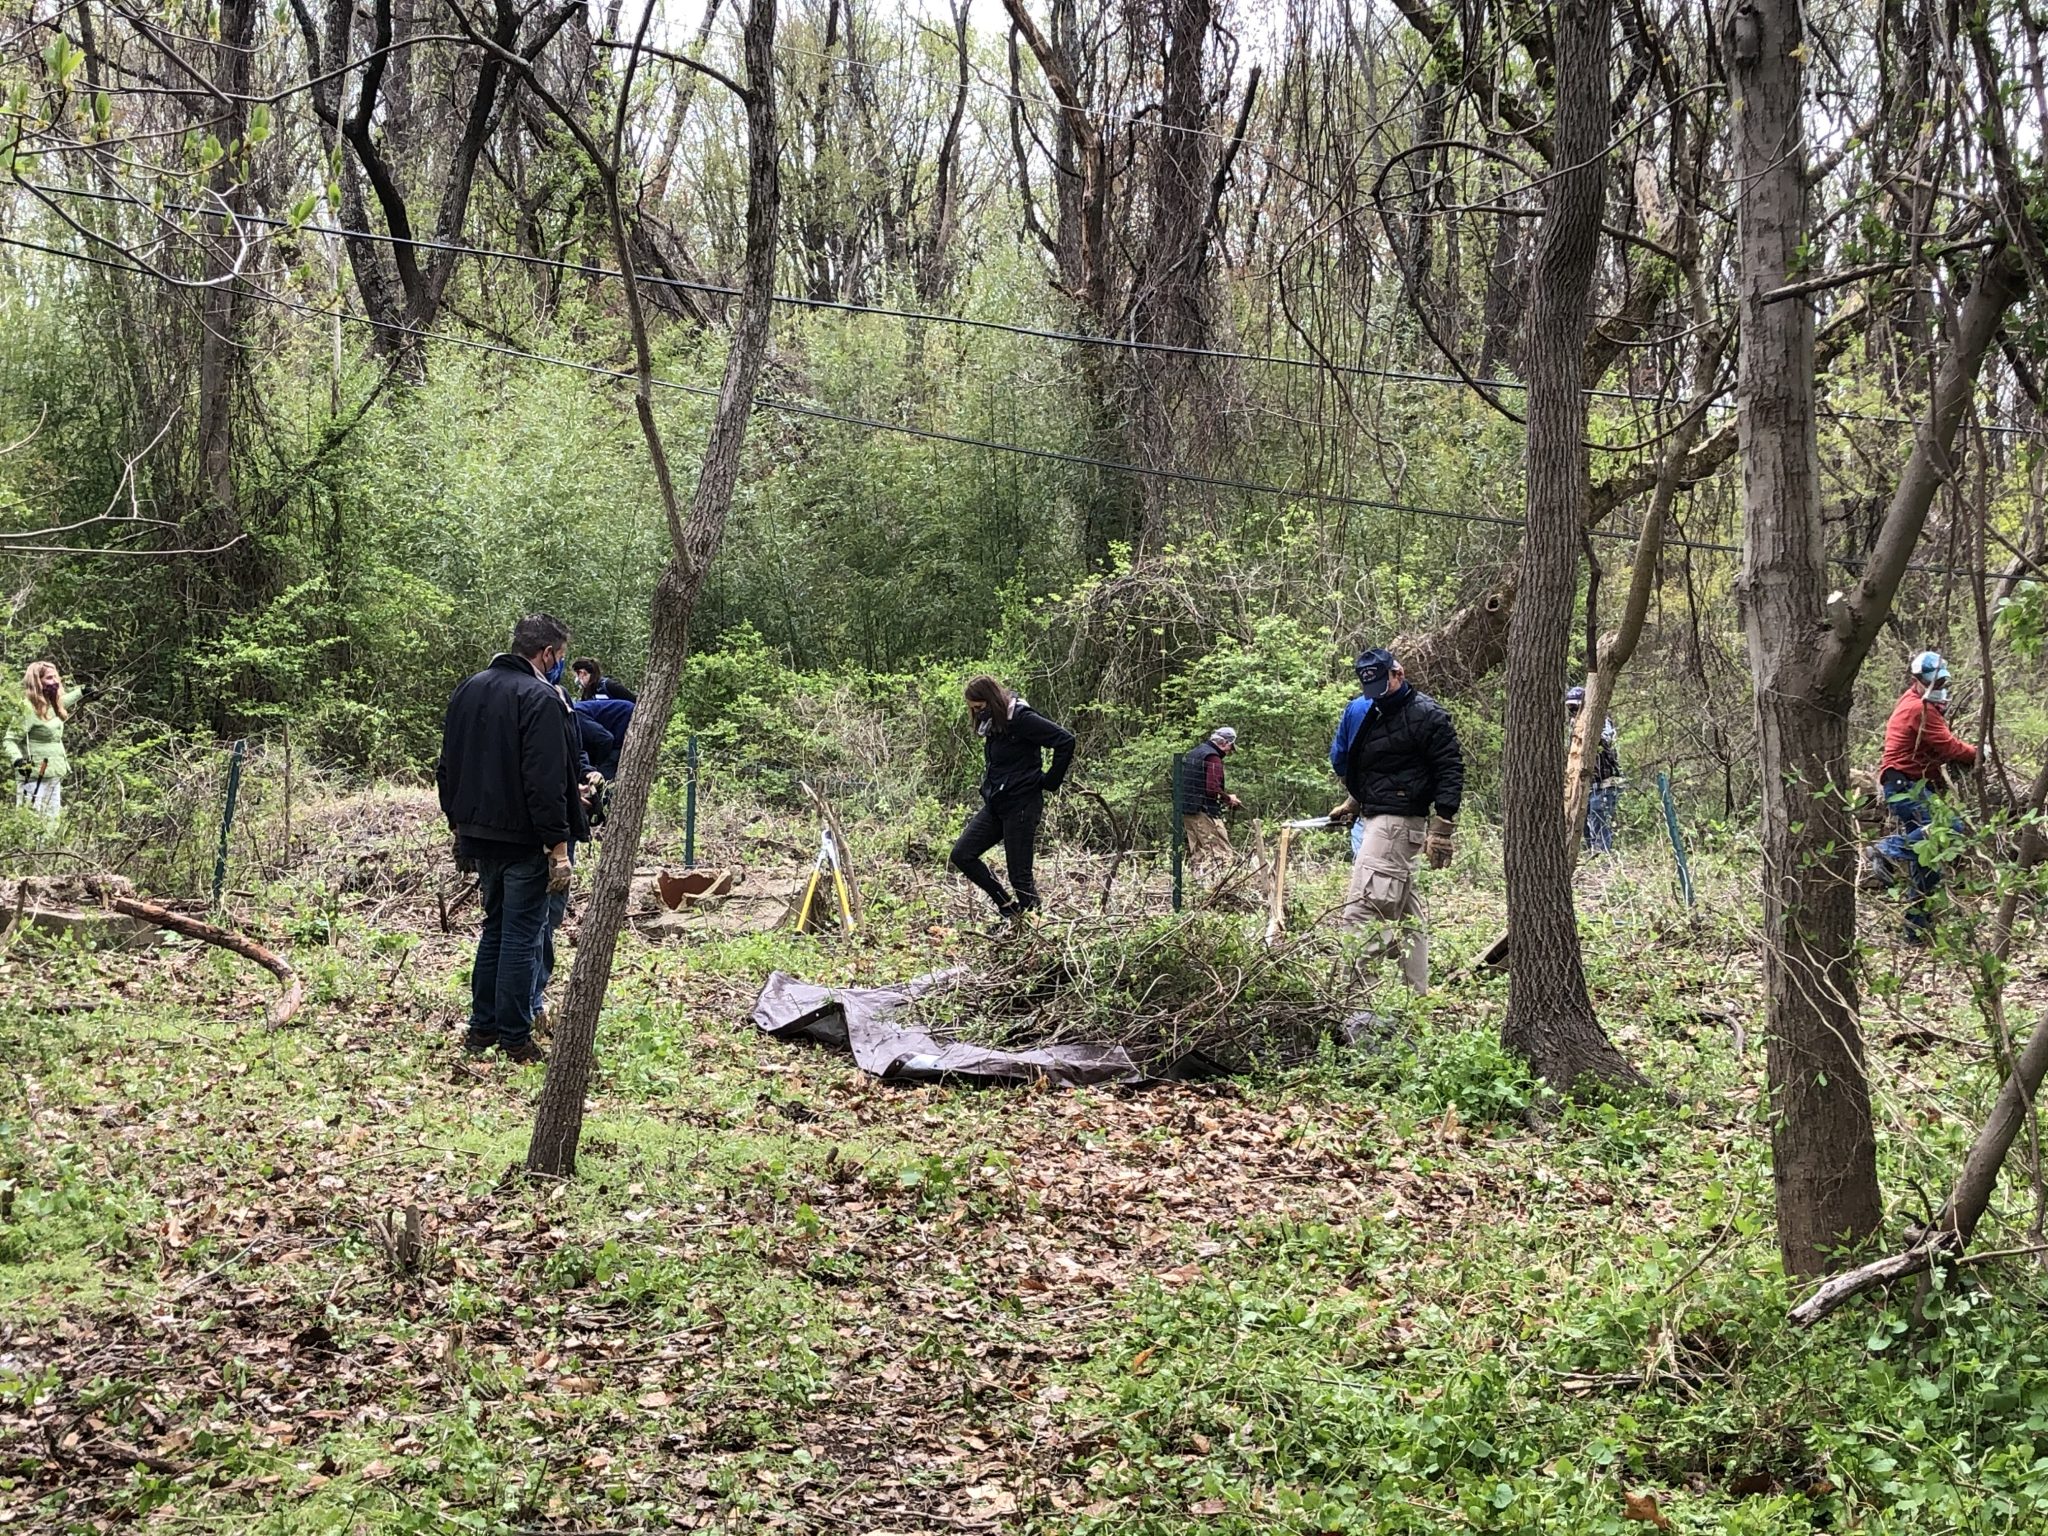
34	743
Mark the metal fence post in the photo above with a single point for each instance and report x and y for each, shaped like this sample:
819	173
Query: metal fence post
690	809
227	819
1180	829
1677	837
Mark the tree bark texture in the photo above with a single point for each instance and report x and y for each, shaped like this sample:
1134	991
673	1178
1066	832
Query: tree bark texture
1550	1019
1170	302
220	341
558	1120
1823	1146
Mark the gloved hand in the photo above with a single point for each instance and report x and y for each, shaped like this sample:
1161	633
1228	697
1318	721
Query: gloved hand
560	870
21	768
1437	846
1344	814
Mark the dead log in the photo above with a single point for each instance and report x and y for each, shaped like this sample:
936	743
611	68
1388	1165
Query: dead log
1847	1286
287	1006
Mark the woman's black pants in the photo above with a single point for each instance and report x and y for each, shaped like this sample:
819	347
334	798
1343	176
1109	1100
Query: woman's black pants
1014	824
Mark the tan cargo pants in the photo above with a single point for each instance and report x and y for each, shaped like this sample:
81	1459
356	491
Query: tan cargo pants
1382	890
1208	844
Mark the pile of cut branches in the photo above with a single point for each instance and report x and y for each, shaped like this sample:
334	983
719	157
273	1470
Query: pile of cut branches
1192	992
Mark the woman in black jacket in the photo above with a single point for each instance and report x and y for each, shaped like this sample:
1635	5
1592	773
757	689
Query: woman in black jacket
1014	784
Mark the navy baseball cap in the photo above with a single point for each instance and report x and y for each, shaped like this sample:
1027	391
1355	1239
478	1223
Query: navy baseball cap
1374	668
1575	696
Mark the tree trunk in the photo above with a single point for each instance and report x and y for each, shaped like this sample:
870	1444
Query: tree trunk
1550	1019
558	1121
220	343
1824	1149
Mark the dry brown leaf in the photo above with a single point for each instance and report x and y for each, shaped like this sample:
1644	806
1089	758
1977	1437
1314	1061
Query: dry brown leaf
1143	1358
1208	1507
992	1499
1643	1507
656	1399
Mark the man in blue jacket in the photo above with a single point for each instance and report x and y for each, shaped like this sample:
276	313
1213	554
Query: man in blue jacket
1398	755
509	788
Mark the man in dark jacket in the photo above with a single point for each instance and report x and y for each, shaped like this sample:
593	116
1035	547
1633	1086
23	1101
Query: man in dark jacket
508	782
1205	800
1397	753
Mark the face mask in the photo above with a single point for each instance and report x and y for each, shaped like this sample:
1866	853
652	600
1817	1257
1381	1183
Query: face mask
555	672
1937	695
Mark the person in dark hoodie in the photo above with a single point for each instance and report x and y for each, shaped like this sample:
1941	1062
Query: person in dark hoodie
1014	784
508	786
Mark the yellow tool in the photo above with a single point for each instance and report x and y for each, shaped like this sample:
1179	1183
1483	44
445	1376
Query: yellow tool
811	911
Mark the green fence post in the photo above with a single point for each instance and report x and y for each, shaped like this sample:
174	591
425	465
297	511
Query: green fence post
227	819
1677	837
1180	829
690	809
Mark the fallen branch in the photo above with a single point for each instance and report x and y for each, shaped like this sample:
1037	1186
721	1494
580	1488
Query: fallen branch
1841	1289
284	1010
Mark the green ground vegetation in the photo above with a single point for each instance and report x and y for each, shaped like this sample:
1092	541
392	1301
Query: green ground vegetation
1383	1292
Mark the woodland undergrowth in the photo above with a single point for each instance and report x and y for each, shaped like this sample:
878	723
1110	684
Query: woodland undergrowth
255	1281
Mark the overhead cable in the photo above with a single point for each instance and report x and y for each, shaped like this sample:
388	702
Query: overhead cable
963	440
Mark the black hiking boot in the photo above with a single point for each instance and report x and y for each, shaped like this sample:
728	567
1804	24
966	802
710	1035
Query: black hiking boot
525	1053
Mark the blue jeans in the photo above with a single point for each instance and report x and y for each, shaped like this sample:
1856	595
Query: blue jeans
508	951
1599	832
1912	807
544	954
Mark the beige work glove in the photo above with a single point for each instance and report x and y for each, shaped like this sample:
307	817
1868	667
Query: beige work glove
1437	845
559	869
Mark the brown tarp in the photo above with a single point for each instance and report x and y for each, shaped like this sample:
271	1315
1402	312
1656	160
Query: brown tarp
857	1019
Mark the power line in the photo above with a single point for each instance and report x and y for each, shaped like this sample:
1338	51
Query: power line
965	440
1012	328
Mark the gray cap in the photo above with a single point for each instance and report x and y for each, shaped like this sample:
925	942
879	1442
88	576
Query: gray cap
1224	736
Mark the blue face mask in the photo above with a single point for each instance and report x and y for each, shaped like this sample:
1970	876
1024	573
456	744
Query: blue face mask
1937	695
555	672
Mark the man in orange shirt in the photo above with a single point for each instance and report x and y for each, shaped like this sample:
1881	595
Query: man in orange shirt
1919	748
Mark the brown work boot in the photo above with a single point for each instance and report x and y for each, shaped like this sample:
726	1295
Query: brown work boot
525	1054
